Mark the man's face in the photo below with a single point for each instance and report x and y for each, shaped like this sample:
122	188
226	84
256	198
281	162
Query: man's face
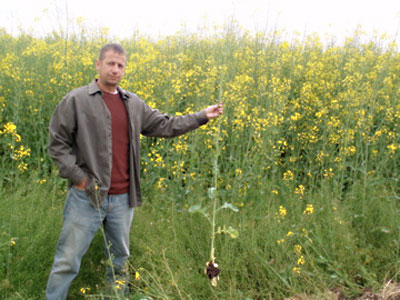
111	69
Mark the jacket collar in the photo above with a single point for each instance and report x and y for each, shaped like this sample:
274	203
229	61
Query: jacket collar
94	88
124	94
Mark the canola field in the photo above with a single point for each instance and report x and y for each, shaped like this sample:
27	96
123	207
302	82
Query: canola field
308	151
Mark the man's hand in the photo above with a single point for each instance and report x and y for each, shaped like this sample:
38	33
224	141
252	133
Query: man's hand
81	186
214	111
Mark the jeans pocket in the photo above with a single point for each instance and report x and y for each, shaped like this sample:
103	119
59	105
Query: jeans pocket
75	198
78	194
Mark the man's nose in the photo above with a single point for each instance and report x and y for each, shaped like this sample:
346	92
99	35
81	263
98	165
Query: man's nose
115	69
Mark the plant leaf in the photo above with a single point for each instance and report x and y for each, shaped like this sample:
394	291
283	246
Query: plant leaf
230	206
232	232
194	208
385	230
212	193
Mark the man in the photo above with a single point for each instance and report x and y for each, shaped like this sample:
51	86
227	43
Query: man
94	140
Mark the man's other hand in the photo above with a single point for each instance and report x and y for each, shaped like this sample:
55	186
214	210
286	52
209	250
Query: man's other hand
81	186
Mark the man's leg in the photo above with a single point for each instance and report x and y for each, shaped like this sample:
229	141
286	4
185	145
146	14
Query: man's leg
80	224
117	226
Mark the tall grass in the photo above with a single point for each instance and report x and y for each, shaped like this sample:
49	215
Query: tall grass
307	149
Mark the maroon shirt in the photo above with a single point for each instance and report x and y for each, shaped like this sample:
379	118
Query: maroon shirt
120	144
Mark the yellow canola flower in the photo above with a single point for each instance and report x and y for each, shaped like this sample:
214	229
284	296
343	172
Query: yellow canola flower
295	117
300	190
22	166
350	151
309	210
137	276
8	128
282	211
392	148
297	249
21	152
328	173
301	260
84	290
281	214
288	175
296	270
119	284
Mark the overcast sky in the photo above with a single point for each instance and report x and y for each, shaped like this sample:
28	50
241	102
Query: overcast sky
338	18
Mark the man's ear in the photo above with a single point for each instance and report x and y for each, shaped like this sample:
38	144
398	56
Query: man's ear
97	64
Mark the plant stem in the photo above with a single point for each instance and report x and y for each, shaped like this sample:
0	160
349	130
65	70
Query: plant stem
215	175
215	200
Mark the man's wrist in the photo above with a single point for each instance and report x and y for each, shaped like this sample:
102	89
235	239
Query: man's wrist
82	185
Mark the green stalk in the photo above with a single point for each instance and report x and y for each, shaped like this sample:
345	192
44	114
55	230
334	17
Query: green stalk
215	175
215	200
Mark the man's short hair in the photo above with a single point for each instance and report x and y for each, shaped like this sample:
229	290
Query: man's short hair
117	48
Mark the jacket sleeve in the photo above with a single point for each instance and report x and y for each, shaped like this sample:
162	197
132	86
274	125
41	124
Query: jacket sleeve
62	130
157	124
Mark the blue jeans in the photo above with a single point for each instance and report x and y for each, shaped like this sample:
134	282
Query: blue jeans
81	221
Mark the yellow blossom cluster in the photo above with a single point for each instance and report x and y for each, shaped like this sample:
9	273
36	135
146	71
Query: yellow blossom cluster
10	129
119	284
85	290
309	210
300	190
300	259
281	214
10	143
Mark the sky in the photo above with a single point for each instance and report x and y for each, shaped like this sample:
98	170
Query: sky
339	18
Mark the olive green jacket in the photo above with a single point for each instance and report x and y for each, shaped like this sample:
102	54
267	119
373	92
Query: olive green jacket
80	138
